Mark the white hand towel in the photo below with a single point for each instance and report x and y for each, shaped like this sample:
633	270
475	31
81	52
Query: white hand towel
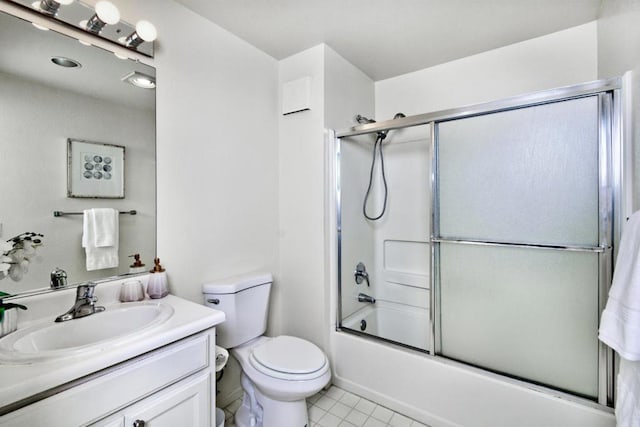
620	323
100	238
105	224
628	394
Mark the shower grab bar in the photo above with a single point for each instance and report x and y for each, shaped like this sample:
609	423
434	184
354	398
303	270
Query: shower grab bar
595	249
60	213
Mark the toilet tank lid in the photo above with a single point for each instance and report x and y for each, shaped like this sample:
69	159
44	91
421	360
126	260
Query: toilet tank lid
234	284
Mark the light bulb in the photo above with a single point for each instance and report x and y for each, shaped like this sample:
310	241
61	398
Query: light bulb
107	12
50	7
146	30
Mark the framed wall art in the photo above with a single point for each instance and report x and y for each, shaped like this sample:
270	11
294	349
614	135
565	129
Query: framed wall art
95	170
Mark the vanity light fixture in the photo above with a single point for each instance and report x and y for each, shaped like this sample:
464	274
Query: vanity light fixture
103	21
106	13
50	7
145	32
139	79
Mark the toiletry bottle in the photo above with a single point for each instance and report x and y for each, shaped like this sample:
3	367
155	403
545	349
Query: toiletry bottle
157	286
137	266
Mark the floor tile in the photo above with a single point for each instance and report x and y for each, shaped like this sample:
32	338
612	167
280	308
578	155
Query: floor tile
372	422
365	406
325	402
340	410
316	413
383	414
329	420
335	407
349	399
335	393
398	420
356	417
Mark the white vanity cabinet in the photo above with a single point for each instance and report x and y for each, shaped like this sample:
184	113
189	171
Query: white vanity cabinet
173	385
183	404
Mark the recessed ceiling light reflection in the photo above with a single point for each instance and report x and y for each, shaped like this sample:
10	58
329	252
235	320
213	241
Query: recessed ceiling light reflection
65	62
140	80
40	27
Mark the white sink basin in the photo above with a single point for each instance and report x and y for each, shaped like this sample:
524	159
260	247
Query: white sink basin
117	325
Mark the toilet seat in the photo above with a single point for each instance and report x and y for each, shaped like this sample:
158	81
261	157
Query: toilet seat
289	358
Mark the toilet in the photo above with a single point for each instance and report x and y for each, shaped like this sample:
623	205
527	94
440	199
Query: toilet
278	373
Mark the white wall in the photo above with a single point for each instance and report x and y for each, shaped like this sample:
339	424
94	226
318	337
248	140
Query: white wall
339	91
619	52
217	153
431	390
216	147
298	306
559	59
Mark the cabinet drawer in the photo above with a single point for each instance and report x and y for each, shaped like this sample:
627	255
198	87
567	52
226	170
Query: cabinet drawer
117	387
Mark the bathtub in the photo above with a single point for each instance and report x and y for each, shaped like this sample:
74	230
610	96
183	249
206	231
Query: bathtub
399	323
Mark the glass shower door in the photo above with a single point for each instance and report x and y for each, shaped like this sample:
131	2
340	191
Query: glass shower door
521	238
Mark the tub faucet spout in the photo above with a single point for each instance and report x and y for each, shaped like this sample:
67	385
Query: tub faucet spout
366	298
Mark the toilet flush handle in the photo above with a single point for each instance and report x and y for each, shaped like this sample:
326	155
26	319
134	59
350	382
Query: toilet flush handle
215	301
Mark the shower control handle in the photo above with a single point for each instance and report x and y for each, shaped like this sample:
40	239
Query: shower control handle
361	274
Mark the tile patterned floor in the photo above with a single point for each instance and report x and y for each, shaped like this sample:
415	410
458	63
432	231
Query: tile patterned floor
339	408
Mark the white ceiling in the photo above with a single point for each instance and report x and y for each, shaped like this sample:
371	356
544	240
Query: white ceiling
386	38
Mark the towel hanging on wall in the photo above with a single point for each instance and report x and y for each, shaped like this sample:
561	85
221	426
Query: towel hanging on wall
100	238
620	323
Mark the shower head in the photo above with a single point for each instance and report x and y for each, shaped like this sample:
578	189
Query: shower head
363	120
360	119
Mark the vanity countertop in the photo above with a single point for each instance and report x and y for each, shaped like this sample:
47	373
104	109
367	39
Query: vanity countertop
25	379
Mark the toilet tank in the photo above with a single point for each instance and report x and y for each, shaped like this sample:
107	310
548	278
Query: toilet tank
245	302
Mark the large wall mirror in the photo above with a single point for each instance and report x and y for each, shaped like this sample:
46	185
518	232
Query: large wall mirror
42	106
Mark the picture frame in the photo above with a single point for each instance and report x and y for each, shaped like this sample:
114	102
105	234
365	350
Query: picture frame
95	170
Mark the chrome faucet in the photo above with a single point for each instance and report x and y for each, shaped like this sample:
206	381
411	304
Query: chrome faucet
85	304
366	298
361	274
58	278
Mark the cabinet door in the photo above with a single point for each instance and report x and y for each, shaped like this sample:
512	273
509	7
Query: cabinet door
117	421
185	405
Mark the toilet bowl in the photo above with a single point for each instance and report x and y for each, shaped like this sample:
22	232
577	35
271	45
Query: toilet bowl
278	373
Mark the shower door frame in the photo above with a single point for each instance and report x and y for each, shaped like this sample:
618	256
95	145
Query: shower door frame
612	171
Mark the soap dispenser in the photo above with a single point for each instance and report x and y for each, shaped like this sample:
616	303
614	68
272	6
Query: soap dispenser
157	286
137	266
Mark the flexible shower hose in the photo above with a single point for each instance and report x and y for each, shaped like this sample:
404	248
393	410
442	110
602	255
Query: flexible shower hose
377	144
